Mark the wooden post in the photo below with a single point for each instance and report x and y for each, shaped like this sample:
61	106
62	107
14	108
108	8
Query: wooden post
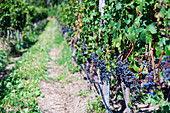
4	36
105	89
105	84
101	5
12	34
20	34
28	28
17	34
8	33
126	95
80	1
65	35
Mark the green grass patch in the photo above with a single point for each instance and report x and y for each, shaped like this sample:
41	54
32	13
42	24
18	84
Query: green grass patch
95	106
18	91
65	55
81	93
61	77
58	37
48	79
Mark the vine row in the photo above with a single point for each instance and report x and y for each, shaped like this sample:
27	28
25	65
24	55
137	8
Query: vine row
121	45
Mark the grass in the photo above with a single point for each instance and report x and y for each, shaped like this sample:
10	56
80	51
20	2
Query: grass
81	93
63	76
48	79
65	55
58	38
96	106
19	90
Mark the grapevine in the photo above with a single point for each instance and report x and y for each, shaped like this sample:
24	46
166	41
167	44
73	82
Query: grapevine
127	46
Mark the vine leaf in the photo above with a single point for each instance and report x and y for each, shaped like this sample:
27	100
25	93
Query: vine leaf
152	28
158	51
98	52
146	36
136	68
118	6
163	41
129	105
131	35
167	50
162	11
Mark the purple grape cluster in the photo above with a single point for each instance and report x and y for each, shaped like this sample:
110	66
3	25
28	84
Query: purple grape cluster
84	46
124	74
166	71
66	29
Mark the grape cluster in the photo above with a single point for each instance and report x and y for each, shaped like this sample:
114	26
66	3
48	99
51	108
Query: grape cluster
66	29
148	85
104	73
150	82
166	71
124	74
98	64
71	31
84	46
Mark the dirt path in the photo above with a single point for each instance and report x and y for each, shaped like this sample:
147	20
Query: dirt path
65	93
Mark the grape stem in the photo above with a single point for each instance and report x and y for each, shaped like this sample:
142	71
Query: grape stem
129	52
141	69
107	53
158	68
153	65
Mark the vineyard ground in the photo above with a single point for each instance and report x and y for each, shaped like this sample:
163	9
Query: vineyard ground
63	92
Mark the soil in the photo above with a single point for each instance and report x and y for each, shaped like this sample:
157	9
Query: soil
62	96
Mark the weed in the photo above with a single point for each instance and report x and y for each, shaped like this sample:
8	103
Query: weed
48	79
68	81
96	106
81	93
63	86
61	78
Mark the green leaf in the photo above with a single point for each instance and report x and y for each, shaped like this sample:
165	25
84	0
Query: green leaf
110	1
162	11
106	38
163	41
152	28
136	68
118	5
152	101
158	51
98	52
167	50
168	13
131	34
145	36
129	105
37	93
119	96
